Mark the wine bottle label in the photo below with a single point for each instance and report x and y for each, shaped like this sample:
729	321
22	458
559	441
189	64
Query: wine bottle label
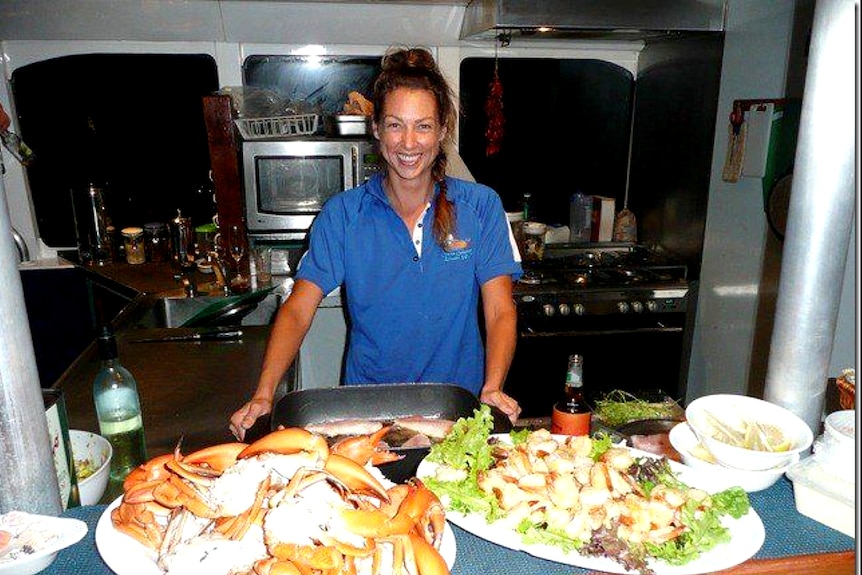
563	423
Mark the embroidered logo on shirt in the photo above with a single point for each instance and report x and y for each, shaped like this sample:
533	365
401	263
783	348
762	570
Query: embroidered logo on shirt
457	249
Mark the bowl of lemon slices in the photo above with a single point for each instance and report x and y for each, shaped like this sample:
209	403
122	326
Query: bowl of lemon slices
693	454
748	433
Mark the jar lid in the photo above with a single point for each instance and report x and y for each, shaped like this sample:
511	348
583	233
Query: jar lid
155	226
131	231
206	228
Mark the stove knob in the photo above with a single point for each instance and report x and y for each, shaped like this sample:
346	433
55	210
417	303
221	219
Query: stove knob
651	306
565	309
579	309
548	310
623	307
637	307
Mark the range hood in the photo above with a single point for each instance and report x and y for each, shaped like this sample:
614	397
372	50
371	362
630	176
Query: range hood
591	19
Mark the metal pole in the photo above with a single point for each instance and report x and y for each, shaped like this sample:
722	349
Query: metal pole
819	219
27	473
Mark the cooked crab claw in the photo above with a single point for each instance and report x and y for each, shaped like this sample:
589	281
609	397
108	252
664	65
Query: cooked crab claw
426	557
217	457
354	476
287	441
151	470
365	448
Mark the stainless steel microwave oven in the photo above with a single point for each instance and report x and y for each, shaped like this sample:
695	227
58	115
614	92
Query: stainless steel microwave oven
287	181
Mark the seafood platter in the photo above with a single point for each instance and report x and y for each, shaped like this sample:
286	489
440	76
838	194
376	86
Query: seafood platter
589	502
284	504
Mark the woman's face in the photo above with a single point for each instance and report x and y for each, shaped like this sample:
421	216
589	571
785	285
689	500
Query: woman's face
409	133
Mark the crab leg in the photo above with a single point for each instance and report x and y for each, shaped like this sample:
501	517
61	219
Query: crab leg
322	558
237	526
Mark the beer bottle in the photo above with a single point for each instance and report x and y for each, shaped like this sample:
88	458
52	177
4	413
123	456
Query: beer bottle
571	415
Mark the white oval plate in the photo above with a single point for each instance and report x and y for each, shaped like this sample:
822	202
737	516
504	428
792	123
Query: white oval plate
125	556
51	533
747	533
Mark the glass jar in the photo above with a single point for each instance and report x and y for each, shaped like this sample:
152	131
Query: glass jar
133	242
157	243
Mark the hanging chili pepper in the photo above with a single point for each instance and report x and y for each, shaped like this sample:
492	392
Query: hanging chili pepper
494	112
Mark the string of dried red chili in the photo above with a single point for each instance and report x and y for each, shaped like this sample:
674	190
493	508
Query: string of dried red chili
494	112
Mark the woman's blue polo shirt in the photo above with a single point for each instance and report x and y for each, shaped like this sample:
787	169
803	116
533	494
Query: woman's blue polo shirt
412	319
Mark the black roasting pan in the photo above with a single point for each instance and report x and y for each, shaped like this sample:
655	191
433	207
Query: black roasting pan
382	403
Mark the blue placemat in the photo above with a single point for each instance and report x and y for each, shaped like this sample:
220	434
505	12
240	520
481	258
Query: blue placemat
787	533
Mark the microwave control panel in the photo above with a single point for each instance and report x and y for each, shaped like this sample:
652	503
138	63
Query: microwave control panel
371	161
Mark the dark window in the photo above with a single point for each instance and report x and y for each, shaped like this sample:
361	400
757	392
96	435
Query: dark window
320	82
567	127
132	122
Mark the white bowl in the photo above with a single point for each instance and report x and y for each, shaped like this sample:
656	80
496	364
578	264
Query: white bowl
836	448
97	451
738	411
683	439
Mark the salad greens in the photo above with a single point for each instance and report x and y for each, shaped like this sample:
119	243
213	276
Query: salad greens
469	450
466	448
466	445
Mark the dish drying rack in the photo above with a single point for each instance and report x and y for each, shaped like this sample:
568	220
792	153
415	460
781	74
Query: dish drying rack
260	128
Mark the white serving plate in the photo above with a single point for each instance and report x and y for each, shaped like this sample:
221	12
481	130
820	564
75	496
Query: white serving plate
55	533
125	556
747	532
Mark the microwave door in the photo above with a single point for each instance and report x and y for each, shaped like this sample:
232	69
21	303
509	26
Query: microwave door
287	182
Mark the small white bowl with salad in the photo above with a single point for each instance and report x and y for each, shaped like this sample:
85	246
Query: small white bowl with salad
92	454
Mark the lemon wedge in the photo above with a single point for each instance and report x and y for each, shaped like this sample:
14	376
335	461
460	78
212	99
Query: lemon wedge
701	452
772	438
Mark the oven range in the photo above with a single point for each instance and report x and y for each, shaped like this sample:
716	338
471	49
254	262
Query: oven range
622	307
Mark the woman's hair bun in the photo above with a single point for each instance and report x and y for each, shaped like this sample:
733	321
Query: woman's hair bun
402	56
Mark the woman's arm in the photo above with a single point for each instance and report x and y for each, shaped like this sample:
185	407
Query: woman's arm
500	320
292	322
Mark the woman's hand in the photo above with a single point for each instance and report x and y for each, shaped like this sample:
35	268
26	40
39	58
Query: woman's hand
501	401
246	415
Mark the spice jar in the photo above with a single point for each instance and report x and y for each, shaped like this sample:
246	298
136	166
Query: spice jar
133	242
157	243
